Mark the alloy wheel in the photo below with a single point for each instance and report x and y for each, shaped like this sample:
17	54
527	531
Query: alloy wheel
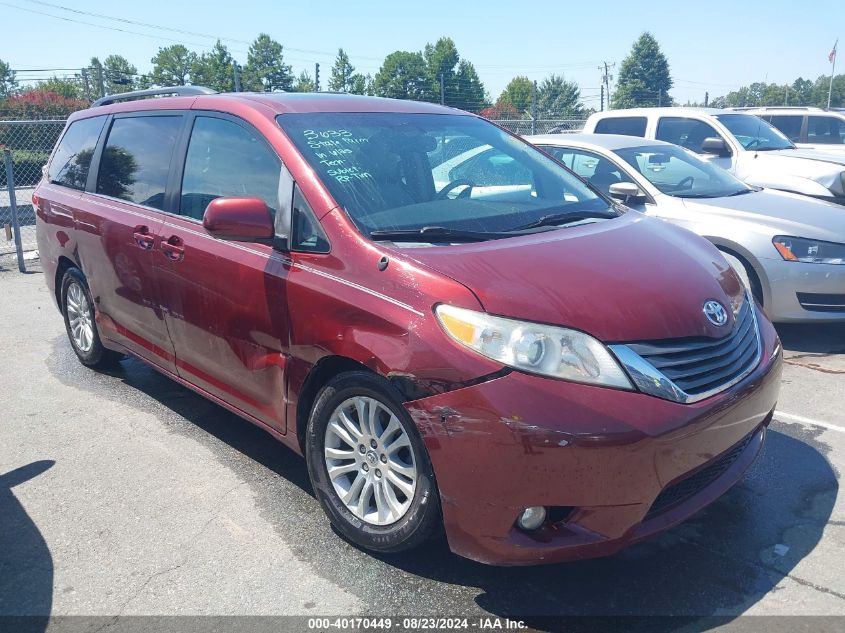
79	317
370	461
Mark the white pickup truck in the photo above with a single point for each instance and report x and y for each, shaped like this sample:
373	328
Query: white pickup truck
743	144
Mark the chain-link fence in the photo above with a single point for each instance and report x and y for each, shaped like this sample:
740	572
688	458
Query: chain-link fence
27	146
541	126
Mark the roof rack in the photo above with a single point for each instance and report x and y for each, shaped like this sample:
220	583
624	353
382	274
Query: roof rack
178	91
808	108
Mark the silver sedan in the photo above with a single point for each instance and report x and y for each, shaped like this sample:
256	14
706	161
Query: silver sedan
789	249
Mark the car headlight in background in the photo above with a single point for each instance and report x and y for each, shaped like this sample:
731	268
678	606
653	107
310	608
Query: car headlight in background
799	249
534	348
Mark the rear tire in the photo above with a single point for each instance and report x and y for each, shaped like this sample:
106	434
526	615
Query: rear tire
359	429
80	323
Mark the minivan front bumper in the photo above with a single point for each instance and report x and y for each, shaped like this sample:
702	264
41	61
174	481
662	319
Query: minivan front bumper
598	459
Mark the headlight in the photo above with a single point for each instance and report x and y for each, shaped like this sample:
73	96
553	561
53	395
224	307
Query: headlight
799	249
531	347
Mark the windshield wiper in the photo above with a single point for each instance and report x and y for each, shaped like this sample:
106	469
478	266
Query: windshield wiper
436	234
568	217
740	192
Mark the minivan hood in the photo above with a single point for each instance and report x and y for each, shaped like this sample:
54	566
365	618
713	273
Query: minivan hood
631	278
784	213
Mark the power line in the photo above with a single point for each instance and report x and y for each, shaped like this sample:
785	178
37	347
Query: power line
160	27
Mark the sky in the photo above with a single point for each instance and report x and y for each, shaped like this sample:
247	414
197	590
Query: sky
713	46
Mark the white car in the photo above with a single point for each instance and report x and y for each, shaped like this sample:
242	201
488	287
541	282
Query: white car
743	144
788	249
808	128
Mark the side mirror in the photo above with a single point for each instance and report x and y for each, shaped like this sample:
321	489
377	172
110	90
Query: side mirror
713	145
239	220
627	192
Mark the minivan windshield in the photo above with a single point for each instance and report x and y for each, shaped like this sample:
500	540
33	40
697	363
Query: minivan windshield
677	172
754	133
438	175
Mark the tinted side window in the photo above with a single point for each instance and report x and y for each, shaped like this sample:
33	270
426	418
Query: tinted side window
629	126
227	159
72	159
491	168
826	130
788	124
688	133
136	159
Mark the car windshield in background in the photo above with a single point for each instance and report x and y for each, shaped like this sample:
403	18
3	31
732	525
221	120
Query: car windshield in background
676	172
398	172
754	133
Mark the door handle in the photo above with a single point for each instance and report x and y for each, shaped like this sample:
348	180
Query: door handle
143	238
173	248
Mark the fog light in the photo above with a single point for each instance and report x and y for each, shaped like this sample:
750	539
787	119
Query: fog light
531	518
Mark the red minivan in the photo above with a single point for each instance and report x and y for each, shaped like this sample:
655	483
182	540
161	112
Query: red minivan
455	331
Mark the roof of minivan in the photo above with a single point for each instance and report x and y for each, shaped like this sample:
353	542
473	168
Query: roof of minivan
283	102
607	141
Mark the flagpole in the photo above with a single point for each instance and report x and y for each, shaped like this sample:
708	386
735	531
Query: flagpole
832	73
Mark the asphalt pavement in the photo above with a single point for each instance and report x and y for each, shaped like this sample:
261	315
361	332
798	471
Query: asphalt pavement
123	493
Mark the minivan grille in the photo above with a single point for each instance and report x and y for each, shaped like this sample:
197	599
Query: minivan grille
690	486
702	365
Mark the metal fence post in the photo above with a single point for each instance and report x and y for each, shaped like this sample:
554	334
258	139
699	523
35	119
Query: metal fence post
10	183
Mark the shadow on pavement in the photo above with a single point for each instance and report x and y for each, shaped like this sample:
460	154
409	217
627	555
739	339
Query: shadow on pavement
820	338
720	562
26	566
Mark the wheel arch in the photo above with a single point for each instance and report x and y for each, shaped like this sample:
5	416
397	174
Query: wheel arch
751	263
63	264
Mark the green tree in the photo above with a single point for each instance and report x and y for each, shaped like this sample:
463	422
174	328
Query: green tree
119	74
8	83
214	69
517	93
265	69
68	87
837	95
304	82
403	75
801	92
557	97
361	84
471	95
344	78
644	79
172	66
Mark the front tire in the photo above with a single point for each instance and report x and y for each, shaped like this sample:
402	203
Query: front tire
368	465
80	324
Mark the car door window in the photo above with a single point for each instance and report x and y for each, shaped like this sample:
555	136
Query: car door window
789	124
492	168
597	170
72	159
825	130
688	133
226	159
626	125
136	159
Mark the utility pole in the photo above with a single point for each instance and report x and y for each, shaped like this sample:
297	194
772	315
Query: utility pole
87	85
832	71
236	71
317	77
706	99
534	108
602	97
786	99
442	91
606	79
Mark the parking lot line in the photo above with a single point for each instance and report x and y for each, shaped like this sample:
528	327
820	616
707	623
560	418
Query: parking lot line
790	417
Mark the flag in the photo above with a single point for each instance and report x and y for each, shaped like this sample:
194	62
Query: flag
832	55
